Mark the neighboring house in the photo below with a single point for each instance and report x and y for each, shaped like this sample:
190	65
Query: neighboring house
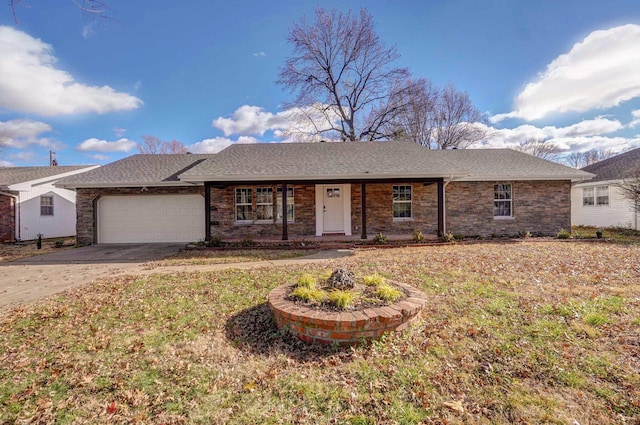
600	202
314	189
30	205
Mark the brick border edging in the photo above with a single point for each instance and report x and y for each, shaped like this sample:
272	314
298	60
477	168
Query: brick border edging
345	327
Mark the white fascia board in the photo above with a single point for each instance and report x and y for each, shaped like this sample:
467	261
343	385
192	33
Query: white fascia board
306	177
521	178
118	185
28	184
598	183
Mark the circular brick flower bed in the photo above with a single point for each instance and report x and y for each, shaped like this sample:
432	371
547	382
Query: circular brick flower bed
344	327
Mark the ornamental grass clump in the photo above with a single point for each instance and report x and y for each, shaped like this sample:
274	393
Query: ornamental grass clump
341	290
342	299
312	295
387	292
307	281
374	280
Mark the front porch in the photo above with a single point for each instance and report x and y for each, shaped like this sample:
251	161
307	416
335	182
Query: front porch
340	211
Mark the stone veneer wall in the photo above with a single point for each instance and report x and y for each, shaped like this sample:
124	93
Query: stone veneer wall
7	218
85	199
540	207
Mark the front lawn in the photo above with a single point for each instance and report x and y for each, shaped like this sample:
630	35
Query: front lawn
524	332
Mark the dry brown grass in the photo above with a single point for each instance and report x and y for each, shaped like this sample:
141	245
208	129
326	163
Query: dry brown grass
18	250
527	332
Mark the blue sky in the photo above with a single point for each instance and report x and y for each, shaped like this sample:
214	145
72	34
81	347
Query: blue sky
204	72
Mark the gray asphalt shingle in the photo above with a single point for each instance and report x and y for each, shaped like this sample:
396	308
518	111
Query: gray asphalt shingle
615	168
14	175
309	161
137	169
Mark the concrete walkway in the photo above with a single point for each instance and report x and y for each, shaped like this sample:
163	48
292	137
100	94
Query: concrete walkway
30	279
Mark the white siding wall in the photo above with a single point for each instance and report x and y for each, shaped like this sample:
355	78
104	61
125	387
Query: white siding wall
61	223
618	213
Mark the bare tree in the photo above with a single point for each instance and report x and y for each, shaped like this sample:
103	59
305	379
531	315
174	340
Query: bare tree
630	188
340	70
539	148
93	8
155	145
582	159
415	121
456	119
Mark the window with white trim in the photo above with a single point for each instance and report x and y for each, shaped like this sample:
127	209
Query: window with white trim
587	196
244	204
602	195
402	202
264	204
46	205
595	195
290	204
502	200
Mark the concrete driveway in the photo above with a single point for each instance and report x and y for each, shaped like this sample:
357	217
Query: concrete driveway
29	279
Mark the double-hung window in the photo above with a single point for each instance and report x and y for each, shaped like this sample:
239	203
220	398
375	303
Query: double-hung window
602	195
244	204
402	202
587	196
598	195
502	200
46	205
290	207
264	204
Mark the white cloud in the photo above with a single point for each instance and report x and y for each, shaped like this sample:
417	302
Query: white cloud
636	118
119	131
97	145
248	120
21	133
259	54
138	85
217	144
88	30
582	136
5	163
598	73
29	81
254	120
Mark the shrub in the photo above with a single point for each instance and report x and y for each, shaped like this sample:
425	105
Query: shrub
309	294
307	281
563	234
388	292
418	236
448	237
216	242
380	239
374	280
342	299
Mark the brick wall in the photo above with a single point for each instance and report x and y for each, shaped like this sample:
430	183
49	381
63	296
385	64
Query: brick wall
540	207
223	223
86	198
380	209
7	218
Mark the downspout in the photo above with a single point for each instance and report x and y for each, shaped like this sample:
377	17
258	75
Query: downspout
16	207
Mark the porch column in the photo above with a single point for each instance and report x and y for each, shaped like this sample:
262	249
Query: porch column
441	207
285	213
363	207
207	211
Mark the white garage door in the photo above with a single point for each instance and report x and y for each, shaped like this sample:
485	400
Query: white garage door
150	218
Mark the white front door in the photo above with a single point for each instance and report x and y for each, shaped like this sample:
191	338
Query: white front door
333	209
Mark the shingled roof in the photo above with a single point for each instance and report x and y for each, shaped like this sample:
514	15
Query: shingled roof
615	168
136	170
15	175
372	160
323	161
